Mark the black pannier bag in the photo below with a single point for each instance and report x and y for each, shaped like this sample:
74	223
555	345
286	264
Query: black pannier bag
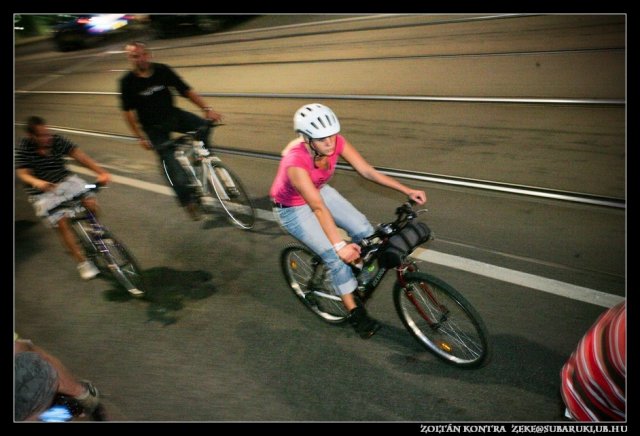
403	243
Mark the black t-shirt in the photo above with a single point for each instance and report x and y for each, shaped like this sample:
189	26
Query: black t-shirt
50	167
151	97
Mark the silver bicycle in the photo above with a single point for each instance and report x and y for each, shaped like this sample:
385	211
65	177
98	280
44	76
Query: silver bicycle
214	185
101	246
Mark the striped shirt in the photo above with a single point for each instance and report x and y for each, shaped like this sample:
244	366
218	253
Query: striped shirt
50	167
593	379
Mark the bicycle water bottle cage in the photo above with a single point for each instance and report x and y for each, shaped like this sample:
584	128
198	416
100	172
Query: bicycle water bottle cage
368	251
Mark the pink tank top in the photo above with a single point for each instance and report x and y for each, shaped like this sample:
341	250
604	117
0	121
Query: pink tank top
282	191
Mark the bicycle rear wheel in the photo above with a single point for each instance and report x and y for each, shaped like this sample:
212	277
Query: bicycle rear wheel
310	283
442	320
233	197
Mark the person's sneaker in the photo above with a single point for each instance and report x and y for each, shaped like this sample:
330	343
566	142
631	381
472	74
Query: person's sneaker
136	292
90	399
87	270
364	325
193	209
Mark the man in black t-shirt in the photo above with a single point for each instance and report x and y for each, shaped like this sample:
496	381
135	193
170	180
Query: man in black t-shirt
146	99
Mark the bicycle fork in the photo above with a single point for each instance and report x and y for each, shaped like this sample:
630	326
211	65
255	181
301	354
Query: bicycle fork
113	265
434	324
220	178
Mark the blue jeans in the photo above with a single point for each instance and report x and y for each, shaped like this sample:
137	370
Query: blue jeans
303	225
181	121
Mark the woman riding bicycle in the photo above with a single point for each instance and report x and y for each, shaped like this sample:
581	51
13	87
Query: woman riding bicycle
311	210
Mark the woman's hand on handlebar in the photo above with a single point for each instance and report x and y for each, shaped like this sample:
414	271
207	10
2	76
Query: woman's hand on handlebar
349	253
418	196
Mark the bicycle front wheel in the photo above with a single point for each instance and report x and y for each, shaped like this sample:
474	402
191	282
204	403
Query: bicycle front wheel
122	265
442	320
233	197
112	258
308	278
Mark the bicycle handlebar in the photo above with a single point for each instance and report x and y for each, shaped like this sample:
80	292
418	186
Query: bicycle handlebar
193	134
404	214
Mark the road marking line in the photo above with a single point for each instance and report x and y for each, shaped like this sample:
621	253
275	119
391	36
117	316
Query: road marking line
519	278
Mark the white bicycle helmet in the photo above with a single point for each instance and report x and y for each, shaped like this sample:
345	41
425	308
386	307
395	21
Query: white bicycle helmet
316	121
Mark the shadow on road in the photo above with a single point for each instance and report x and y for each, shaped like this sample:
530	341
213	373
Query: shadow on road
28	246
516	362
303	366
167	291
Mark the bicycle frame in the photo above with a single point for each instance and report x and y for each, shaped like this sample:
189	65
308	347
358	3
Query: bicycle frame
385	231
210	179
97	230
193	149
94	237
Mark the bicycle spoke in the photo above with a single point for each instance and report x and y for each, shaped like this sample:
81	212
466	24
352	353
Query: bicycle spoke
308	280
452	336
440	319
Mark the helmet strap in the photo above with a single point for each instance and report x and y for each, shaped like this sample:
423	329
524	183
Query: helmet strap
309	142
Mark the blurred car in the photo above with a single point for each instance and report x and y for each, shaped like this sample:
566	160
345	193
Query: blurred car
168	26
85	30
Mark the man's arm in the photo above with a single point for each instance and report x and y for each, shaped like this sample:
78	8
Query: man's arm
26	176
84	159
132	121
210	114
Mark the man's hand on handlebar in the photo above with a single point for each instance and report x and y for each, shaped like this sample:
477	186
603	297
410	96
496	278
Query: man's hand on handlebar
213	115
103	179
